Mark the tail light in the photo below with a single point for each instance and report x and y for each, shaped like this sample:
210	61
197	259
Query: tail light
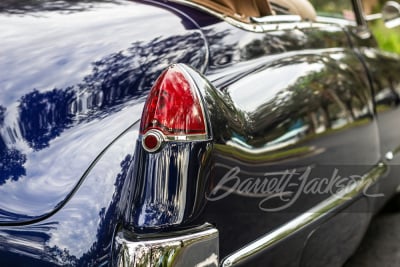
173	110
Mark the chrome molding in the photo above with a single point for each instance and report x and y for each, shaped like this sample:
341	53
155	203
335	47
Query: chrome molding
197	247
170	138
373	17
188	137
306	218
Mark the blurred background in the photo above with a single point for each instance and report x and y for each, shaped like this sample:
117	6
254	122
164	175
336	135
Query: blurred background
388	39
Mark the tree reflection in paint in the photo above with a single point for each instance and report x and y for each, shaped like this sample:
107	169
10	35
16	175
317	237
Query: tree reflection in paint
114	80
11	160
25	6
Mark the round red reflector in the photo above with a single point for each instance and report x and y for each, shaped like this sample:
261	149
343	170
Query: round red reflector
152	141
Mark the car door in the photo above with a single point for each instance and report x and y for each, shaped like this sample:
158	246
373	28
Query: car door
383	68
298	111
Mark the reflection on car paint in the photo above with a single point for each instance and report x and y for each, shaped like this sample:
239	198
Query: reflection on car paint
310	110
83	100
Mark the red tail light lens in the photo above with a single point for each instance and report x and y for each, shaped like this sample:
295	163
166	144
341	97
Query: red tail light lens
173	106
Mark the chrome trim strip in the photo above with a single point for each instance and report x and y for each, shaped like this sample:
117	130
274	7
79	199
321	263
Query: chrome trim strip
186	138
276	19
171	138
194	247
306	218
373	17
176	138
335	21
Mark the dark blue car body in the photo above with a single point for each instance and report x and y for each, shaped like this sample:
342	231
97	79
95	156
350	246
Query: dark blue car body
74	78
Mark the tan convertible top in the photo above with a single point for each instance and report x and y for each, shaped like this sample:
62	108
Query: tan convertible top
238	9
244	9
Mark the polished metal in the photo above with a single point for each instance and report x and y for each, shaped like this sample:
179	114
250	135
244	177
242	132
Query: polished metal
170	138
186	138
165	181
391	14
297	96
197	247
271	22
277	19
389	156
373	17
159	137
329	205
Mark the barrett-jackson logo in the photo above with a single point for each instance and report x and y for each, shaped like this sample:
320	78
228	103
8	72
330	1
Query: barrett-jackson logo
286	186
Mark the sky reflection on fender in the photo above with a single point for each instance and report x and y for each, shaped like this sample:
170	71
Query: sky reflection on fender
90	94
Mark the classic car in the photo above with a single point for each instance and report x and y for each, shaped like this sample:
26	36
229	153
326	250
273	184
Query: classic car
193	132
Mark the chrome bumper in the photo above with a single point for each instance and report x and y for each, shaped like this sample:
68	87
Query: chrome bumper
198	247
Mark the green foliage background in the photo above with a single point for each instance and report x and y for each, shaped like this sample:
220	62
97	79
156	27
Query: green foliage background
388	39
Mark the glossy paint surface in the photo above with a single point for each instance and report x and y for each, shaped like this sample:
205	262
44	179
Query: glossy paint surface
81	233
74	77
383	68
75	82
171	184
294	100
281	100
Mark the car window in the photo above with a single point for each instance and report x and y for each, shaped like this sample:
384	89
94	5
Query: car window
338	9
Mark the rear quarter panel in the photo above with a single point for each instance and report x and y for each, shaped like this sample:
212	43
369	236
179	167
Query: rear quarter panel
73	84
